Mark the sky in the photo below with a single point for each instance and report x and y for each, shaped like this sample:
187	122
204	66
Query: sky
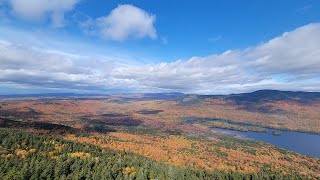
143	46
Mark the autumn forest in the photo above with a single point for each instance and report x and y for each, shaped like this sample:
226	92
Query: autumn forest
159	136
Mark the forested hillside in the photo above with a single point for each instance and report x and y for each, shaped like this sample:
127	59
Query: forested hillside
31	156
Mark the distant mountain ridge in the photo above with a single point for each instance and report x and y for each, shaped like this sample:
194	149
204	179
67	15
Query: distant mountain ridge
47	95
150	96
263	96
260	96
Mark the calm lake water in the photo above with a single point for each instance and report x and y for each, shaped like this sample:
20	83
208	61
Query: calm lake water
303	143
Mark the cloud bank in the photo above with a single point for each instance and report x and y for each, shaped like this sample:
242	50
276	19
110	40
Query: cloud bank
285	62
288	62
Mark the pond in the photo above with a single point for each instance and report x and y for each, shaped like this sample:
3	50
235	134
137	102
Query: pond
299	142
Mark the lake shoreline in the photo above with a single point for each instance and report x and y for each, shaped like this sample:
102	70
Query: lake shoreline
298	142
200	119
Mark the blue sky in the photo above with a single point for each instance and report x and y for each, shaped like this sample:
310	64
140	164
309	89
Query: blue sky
206	47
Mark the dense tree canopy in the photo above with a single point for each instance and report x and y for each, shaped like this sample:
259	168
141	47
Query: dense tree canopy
32	156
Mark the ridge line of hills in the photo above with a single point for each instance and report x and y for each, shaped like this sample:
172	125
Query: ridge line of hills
265	95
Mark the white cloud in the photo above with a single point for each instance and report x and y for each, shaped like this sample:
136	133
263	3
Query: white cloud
42	9
32	66
294	56
296	52
24	66
124	22
288	62
216	73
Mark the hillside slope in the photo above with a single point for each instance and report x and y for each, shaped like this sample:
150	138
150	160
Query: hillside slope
32	156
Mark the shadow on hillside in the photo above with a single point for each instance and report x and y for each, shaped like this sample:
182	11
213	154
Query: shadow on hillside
146	112
7	123
106	122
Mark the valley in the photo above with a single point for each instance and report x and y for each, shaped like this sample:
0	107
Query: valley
177	129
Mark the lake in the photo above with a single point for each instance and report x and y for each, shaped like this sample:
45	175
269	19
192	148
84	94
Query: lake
299	142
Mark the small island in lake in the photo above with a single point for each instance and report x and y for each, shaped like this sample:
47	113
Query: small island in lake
276	133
